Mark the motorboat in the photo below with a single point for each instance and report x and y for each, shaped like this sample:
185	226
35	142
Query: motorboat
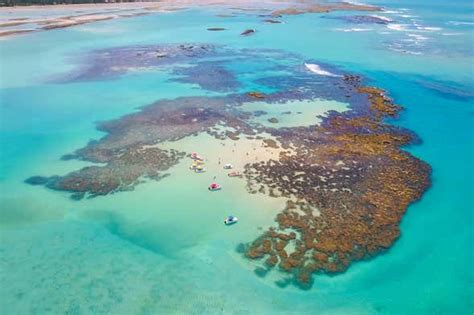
230	220
228	166
214	187
235	174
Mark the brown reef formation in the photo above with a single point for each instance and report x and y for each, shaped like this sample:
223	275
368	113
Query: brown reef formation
324	8
130	151
120	174
348	185
256	94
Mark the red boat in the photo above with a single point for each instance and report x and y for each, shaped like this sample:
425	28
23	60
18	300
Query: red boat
214	187
195	156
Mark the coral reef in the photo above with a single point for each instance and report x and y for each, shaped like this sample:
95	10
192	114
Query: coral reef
256	94
131	148
362	19
324	8
346	180
348	185
120	174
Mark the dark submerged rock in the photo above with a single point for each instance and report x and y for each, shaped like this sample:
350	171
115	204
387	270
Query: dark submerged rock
362	19
216	29
248	32
272	21
37	180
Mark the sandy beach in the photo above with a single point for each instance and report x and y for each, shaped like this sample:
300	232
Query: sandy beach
23	19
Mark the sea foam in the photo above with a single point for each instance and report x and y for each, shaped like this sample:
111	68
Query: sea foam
317	69
397	27
460	23
383	18
353	29
429	28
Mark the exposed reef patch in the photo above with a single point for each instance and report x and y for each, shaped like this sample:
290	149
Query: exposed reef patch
348	186
121	173
248	32
324	8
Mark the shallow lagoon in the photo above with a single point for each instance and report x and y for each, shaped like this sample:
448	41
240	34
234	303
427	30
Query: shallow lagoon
146	251
292	114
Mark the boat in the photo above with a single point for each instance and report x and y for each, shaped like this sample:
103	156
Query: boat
197	165
214	187
161	54
230	220
228	166
196	156
235	174
199	169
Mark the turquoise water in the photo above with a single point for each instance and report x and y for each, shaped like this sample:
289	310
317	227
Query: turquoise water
146	251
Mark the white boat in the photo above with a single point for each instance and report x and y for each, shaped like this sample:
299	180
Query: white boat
230	220
228	166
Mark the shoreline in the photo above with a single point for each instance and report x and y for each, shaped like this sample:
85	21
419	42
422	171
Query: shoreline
78	5
68	15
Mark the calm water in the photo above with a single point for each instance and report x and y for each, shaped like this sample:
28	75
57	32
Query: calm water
162	248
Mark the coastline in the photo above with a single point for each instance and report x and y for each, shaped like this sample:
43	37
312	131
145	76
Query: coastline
72	15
